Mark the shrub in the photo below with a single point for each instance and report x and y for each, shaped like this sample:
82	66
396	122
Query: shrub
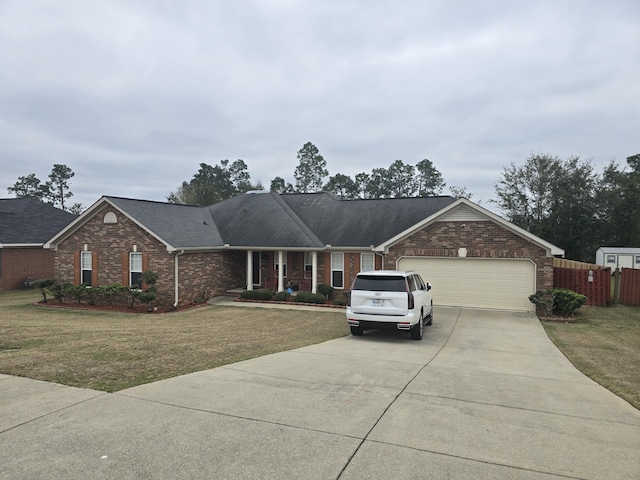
261	294
281	296
543	300
43	285
76	291
109	292
340	301
566	302
325	290
307	297
94	293
59	291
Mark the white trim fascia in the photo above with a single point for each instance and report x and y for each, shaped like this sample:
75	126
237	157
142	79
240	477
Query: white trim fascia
20	245
328	248
551	249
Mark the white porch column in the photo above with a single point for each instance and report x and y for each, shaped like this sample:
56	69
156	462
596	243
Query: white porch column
314	272
280	272
249	269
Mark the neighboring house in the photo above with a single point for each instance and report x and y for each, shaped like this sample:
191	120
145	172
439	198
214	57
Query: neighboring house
471	256
622	257
25	224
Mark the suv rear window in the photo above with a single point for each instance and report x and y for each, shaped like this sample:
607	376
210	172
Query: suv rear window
380	284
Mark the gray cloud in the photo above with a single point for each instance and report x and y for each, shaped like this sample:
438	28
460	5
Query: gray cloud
133	96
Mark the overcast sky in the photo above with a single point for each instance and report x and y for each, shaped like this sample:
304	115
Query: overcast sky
133	95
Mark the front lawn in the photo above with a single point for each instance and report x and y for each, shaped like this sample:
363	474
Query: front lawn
604	343
110	351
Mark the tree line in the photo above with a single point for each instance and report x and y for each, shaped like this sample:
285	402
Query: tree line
568	203
214	183
564	201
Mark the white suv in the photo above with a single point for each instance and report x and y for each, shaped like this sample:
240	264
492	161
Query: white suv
384	298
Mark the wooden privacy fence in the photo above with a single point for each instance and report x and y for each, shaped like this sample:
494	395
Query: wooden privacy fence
630	286
594	284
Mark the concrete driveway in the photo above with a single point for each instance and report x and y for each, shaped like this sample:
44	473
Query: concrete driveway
485	395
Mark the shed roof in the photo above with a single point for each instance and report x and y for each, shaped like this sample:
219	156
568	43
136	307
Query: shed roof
621	250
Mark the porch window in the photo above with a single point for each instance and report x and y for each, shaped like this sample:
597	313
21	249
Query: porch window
337	270
308	259
284	263
86	261
637	259
611	259
135	269
366	262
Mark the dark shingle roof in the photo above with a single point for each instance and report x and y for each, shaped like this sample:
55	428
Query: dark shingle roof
28	221
360	223
179	225
269	220
261	219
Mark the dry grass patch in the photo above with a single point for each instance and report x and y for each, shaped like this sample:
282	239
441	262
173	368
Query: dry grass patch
112	351
604	344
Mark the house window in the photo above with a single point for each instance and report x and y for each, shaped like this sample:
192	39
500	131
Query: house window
337	270
308	261
135	269
611	259
366	262
284	263
86	261
637	259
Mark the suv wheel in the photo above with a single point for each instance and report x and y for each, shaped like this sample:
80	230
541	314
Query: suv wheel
356	330
418	329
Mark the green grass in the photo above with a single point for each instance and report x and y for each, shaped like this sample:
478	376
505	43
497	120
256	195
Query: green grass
112	351
604	344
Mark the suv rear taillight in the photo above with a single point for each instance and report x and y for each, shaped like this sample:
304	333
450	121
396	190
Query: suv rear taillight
410	300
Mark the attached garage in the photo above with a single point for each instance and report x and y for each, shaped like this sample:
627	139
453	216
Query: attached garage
503	284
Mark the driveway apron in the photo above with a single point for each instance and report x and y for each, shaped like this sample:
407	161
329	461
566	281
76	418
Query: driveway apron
484	395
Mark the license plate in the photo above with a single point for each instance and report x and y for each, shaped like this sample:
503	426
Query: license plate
377	302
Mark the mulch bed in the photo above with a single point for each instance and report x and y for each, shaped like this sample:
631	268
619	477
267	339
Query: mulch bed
117	308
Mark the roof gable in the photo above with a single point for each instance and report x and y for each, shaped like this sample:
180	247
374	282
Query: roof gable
464	210
27	221
175	225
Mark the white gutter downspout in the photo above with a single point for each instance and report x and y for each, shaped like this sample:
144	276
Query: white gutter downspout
175	274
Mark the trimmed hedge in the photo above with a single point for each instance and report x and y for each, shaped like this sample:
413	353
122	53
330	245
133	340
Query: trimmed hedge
261	294
566	302
560	301
306	297
281	297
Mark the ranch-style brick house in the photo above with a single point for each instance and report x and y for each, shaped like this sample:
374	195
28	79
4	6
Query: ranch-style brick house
471	256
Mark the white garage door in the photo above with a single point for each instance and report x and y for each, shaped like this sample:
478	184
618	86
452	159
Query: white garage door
476	282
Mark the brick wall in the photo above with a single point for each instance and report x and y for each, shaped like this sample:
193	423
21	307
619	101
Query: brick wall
481	239
18	264
200	275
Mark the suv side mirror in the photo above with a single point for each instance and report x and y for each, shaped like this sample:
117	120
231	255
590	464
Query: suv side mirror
428	286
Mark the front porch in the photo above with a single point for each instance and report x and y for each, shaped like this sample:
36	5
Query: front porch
280	270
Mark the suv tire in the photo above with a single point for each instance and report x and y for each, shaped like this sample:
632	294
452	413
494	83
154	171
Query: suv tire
356	330
418	329
430	317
